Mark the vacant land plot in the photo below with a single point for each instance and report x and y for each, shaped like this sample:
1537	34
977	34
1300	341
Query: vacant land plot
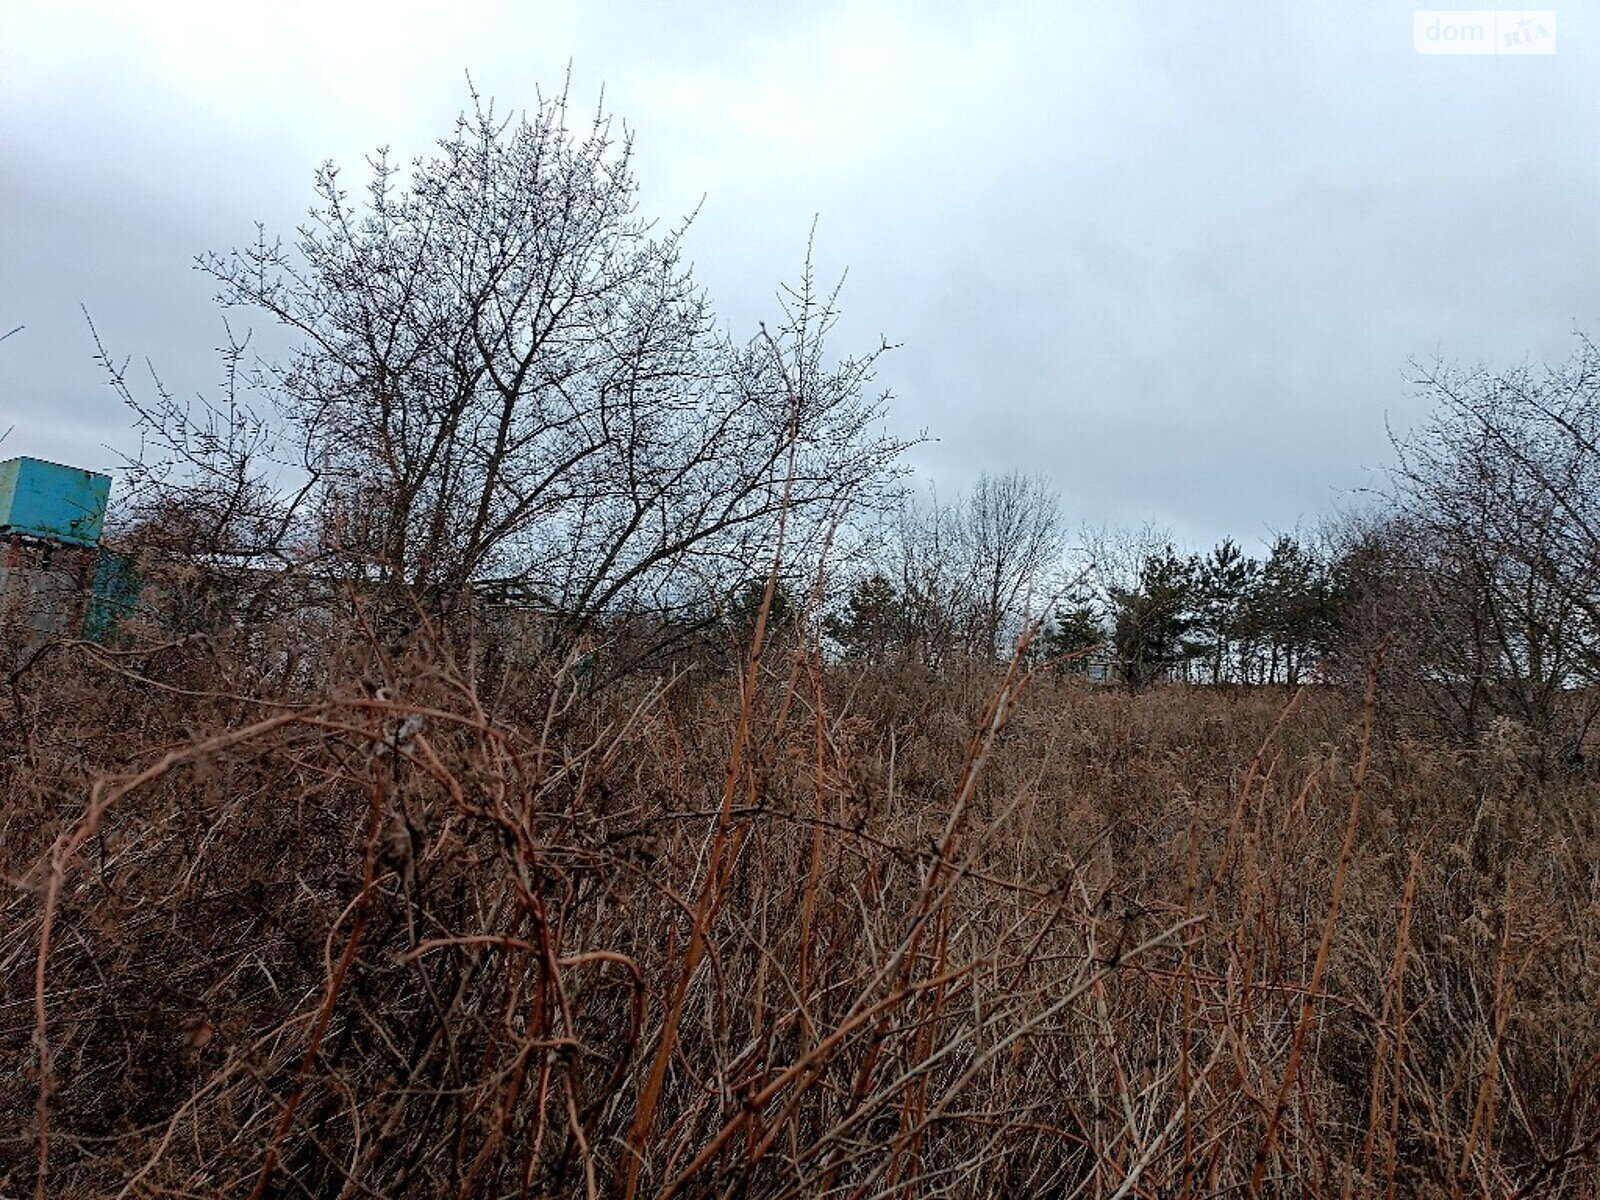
363	925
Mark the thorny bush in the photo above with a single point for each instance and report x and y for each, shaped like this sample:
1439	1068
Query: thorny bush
294	912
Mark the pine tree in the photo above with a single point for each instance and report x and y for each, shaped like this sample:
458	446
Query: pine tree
1075	627
873	623
1152	622
1227	578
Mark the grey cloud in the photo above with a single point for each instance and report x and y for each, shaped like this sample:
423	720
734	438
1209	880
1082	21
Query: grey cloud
1176	257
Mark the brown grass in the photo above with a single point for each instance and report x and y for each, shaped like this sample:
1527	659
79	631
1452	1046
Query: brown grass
292	915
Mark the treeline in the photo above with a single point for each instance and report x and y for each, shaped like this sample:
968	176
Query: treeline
1127	605
1475	573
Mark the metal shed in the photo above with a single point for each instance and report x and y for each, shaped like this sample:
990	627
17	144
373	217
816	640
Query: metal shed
54	502
52	571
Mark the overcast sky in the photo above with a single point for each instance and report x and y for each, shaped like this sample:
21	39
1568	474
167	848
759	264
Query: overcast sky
1175	255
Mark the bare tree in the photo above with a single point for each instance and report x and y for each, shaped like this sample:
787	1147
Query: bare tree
972	572
924	538
1495	545
505	378
1012	545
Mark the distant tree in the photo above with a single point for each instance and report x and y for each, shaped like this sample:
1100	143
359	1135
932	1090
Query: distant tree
1291	610
925	545
743	607
872	624
1075	626
975	570
1152	620
1227	579
1012	541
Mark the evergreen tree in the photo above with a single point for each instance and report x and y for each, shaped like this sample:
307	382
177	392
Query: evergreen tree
1293	610
1152	621
1227	579
1073	628
873	623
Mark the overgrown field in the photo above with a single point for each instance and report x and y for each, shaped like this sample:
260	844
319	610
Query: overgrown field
284	921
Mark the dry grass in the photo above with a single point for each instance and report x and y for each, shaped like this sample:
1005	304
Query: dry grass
288	915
